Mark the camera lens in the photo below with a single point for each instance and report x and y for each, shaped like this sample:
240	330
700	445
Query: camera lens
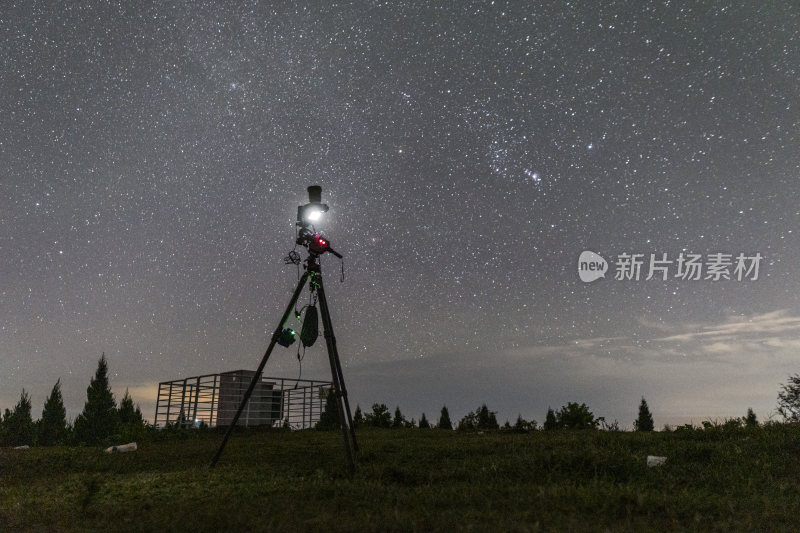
315	194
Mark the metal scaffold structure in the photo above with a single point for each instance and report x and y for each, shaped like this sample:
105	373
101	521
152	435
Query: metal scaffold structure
213	400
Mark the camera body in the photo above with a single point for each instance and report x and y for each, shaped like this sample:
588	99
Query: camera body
313	210
306	215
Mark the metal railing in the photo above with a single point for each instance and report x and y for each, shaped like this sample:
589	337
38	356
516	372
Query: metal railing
212	399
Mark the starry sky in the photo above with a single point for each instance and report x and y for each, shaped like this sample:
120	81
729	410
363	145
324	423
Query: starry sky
153	155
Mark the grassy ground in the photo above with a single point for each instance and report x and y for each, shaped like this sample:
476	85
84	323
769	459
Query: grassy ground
414	480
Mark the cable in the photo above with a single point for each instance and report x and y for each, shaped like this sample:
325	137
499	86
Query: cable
300	363
293	259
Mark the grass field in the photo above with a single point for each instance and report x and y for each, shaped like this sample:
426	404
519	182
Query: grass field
413	480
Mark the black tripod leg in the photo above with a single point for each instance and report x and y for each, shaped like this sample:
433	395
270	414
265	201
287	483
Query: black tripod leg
336	371
337	388
257	375
340	375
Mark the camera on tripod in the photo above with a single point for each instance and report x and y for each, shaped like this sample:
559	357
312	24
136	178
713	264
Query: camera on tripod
317	245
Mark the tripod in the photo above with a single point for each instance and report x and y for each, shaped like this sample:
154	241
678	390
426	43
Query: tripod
313	275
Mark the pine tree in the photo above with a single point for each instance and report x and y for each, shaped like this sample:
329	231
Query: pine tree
550	421
423	422
645	420
6	416
131	421
789	399
329	419
486	419
126	410
444	419
358	417
18	428
99	419
750	420
53	425
399	420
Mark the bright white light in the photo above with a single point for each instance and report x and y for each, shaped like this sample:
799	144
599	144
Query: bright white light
313	215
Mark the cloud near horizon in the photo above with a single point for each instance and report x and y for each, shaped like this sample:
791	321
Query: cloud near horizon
688	372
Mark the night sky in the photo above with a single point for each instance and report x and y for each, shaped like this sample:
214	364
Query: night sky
152	158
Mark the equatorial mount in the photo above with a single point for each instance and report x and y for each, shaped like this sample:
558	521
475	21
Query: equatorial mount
315	242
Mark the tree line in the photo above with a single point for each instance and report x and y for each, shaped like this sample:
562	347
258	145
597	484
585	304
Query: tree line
101	419
572	416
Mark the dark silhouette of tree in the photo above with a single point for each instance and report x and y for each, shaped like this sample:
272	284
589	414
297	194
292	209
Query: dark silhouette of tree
181	421
127	411
481	419
645	420
550	421
329	418
750	420
358	417
609	426
131	421
399	420
53	425
423	422
18	427
379	417
575	416
487	419
99	419
444	419
6	416
789	399
523	426
469	422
